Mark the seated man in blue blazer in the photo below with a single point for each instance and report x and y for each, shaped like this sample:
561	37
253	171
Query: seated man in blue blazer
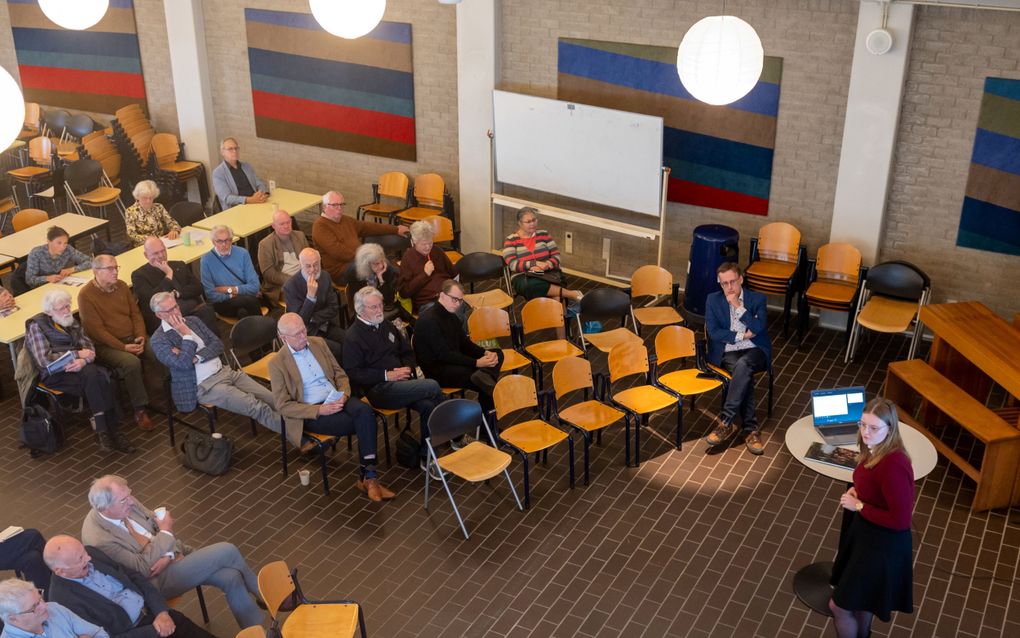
738	342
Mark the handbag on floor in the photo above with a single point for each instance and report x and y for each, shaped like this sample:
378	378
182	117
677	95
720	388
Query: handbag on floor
207	453
40	433
408	450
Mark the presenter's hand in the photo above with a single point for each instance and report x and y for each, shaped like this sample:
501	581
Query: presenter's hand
158	567
163	624
733	298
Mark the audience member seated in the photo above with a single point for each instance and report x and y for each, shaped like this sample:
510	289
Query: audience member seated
160	275
147	217
304	374
738	342
371	268
24	614
23	553
234	181
530	250
310	294
7	302
135	539
114	323
119	599
55	259
446	353
424	268
229	276
53	333
278	255
192	352
338	236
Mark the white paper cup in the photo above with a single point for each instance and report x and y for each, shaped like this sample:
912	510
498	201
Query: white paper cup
305	476
160	513
217	435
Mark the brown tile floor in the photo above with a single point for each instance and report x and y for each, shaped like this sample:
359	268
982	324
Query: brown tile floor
689	544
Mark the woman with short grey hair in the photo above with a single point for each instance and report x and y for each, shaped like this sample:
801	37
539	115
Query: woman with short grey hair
424	268
147	217
371	268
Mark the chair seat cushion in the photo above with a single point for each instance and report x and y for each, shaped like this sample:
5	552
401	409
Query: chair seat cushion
490	299
321	619
100	196
883	314
606	341
532	436
772	269
687	382
513	360
657	316
475	462
418	213
550	351
28	172
644	399
831	292
591	415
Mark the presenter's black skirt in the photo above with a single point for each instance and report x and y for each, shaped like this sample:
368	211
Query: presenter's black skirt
874	570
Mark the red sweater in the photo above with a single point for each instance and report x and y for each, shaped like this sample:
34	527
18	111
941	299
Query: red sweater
519	259
887	491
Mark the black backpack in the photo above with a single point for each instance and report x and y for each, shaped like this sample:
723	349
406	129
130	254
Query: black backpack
39	432
408	450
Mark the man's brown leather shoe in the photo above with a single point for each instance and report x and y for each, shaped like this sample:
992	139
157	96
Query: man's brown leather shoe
721	434
143	421
371	488
754	443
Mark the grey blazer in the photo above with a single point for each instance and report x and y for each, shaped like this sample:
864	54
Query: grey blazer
225	187
271	260
122	547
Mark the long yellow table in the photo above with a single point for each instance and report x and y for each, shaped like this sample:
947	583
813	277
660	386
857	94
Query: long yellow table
133	259
18	245
247	219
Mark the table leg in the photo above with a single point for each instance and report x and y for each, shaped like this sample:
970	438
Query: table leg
811	584
14	355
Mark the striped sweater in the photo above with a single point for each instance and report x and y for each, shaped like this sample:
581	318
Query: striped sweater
519	259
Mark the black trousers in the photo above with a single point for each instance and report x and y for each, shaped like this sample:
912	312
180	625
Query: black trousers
23	554
92	382
356	418
239	306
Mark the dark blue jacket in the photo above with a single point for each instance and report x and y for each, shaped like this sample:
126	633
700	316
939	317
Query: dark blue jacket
717	319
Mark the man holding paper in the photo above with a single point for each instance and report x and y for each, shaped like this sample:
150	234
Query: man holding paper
312	392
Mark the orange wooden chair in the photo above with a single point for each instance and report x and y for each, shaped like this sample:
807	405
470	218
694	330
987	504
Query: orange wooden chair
429	199
643	400
834	283
656	282
390	195
776	264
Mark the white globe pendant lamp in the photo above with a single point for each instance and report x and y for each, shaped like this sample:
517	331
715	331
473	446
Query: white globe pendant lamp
75	14
12	109
348	18
720	59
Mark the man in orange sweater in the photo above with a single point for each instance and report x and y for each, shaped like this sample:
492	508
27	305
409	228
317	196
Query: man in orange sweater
337	236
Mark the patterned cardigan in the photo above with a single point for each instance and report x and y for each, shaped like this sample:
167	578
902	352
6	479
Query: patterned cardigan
519	259
155	222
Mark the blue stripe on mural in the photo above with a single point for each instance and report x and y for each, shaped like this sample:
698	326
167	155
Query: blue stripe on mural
339	74
121	45
332	95
718	153
997	151
1003	88
989	227
388	31
80	62
719	178
649	75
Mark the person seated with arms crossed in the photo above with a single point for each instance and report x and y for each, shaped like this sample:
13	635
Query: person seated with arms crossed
338	236
310	294
229	278
234	181
147	217
161	275
530	250
114	323
135	538
192	352
312	393
738	342
424	268
278	255
23	553
372	268
120	600
25	614
53	333
55	259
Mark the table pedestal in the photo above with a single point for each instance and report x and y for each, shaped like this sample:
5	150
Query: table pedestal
811	584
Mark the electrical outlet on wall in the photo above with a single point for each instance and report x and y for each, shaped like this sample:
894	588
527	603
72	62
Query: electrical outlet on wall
568	246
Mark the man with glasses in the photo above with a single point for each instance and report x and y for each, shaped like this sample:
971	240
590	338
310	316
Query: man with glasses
738	342
310	294
312	393
26	615
229	278
161	275
338	236
112	320
192	352
234	181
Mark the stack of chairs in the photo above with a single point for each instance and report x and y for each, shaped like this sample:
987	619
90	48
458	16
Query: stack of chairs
133	133
833	283
776	266
171	171
99	147
37	177
33	122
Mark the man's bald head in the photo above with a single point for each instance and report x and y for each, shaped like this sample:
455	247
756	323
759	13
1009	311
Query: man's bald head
60	549
290	323
282	223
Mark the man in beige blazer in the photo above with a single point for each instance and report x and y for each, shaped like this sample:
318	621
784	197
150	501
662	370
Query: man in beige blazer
304	374
139	540
278	255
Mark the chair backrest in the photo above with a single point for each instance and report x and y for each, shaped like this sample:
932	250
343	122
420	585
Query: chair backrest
541	313
128	111
40	149
29	217
605	303
166	148
32	113
513	392
130	128
253	332
488	323
275	585
111	165
442	228
900	279
80	125
572	373
142	143
838	261
393	245
779	241
650	280
394	184
674	342
626	359
83	175
429	189
480	266
187	213
452	418
255	631
56	121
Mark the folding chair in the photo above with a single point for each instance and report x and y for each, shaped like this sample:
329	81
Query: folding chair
309	618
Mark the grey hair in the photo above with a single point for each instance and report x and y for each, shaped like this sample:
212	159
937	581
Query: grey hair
100	494
524	210
326	196
99	260
52	298
422	230
146	187
365	256
219	228
363	295
228	139
11	591
156	303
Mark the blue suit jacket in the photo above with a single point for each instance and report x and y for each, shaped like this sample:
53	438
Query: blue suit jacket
183	381
226	189
717	318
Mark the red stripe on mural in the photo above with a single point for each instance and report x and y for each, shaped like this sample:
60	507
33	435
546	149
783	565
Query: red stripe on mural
710	197
345	119
79	81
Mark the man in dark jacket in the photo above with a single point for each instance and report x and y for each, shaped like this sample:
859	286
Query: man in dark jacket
160	275
121	601
310	294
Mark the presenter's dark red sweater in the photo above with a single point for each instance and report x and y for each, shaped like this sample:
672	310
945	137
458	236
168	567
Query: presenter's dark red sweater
887	491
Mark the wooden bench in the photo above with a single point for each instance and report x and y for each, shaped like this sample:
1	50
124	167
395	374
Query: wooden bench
998	479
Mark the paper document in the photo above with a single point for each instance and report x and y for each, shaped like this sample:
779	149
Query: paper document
334	395
71	280
170	243
10	532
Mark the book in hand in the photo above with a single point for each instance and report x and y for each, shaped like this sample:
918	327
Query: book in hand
832	455
59	364
11	531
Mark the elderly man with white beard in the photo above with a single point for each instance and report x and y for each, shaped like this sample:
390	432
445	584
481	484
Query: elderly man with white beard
51	335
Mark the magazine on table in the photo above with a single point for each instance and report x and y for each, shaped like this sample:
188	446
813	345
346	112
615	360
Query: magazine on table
832	455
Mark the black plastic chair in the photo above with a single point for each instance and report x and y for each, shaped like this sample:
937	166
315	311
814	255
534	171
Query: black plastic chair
79	125
56	121
187	213
87	185
254	337
481	266
393	245
608	304
892	297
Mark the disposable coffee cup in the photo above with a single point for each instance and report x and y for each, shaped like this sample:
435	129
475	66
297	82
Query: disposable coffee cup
186	238
160	513
217	435
305	476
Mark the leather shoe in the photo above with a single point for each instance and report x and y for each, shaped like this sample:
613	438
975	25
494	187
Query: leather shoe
143	421
371	489
754	443
122	444
105	441
721	434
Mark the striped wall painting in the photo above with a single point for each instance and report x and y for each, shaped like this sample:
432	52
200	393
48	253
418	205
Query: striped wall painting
720	156
990	219
310	87
96	70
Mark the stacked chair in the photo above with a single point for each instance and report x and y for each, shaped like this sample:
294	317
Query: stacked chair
776	264
893	294
37	177
833	283
88	187
390	195
33	122
430	197
172	171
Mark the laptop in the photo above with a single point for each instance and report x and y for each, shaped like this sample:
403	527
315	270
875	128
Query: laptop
837	413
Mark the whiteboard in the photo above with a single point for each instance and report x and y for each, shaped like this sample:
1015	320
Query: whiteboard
586	152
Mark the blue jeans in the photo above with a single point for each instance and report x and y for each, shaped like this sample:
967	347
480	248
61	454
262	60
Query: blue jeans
742	366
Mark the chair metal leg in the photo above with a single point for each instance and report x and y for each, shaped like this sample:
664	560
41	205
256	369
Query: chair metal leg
679	422
254	428
626	440
201	603
513	490
570	452
325	470
283	448
587	444
361	623
449	494
637	441
527	483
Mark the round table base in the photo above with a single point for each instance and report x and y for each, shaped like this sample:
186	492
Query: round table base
811	584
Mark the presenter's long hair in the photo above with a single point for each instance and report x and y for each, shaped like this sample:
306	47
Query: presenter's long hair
885	410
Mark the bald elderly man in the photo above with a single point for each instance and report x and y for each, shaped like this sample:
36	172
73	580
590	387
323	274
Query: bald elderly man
278	255
310	294
338	236
162	275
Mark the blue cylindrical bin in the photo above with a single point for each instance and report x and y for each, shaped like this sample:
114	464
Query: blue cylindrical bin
713	245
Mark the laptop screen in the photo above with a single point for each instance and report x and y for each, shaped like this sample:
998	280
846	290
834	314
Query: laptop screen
841	405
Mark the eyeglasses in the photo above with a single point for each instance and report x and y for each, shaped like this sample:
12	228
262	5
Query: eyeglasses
226	240
335	204
299	333
34	608
871	429
458	300
231	148
108	268
728	282
171	308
